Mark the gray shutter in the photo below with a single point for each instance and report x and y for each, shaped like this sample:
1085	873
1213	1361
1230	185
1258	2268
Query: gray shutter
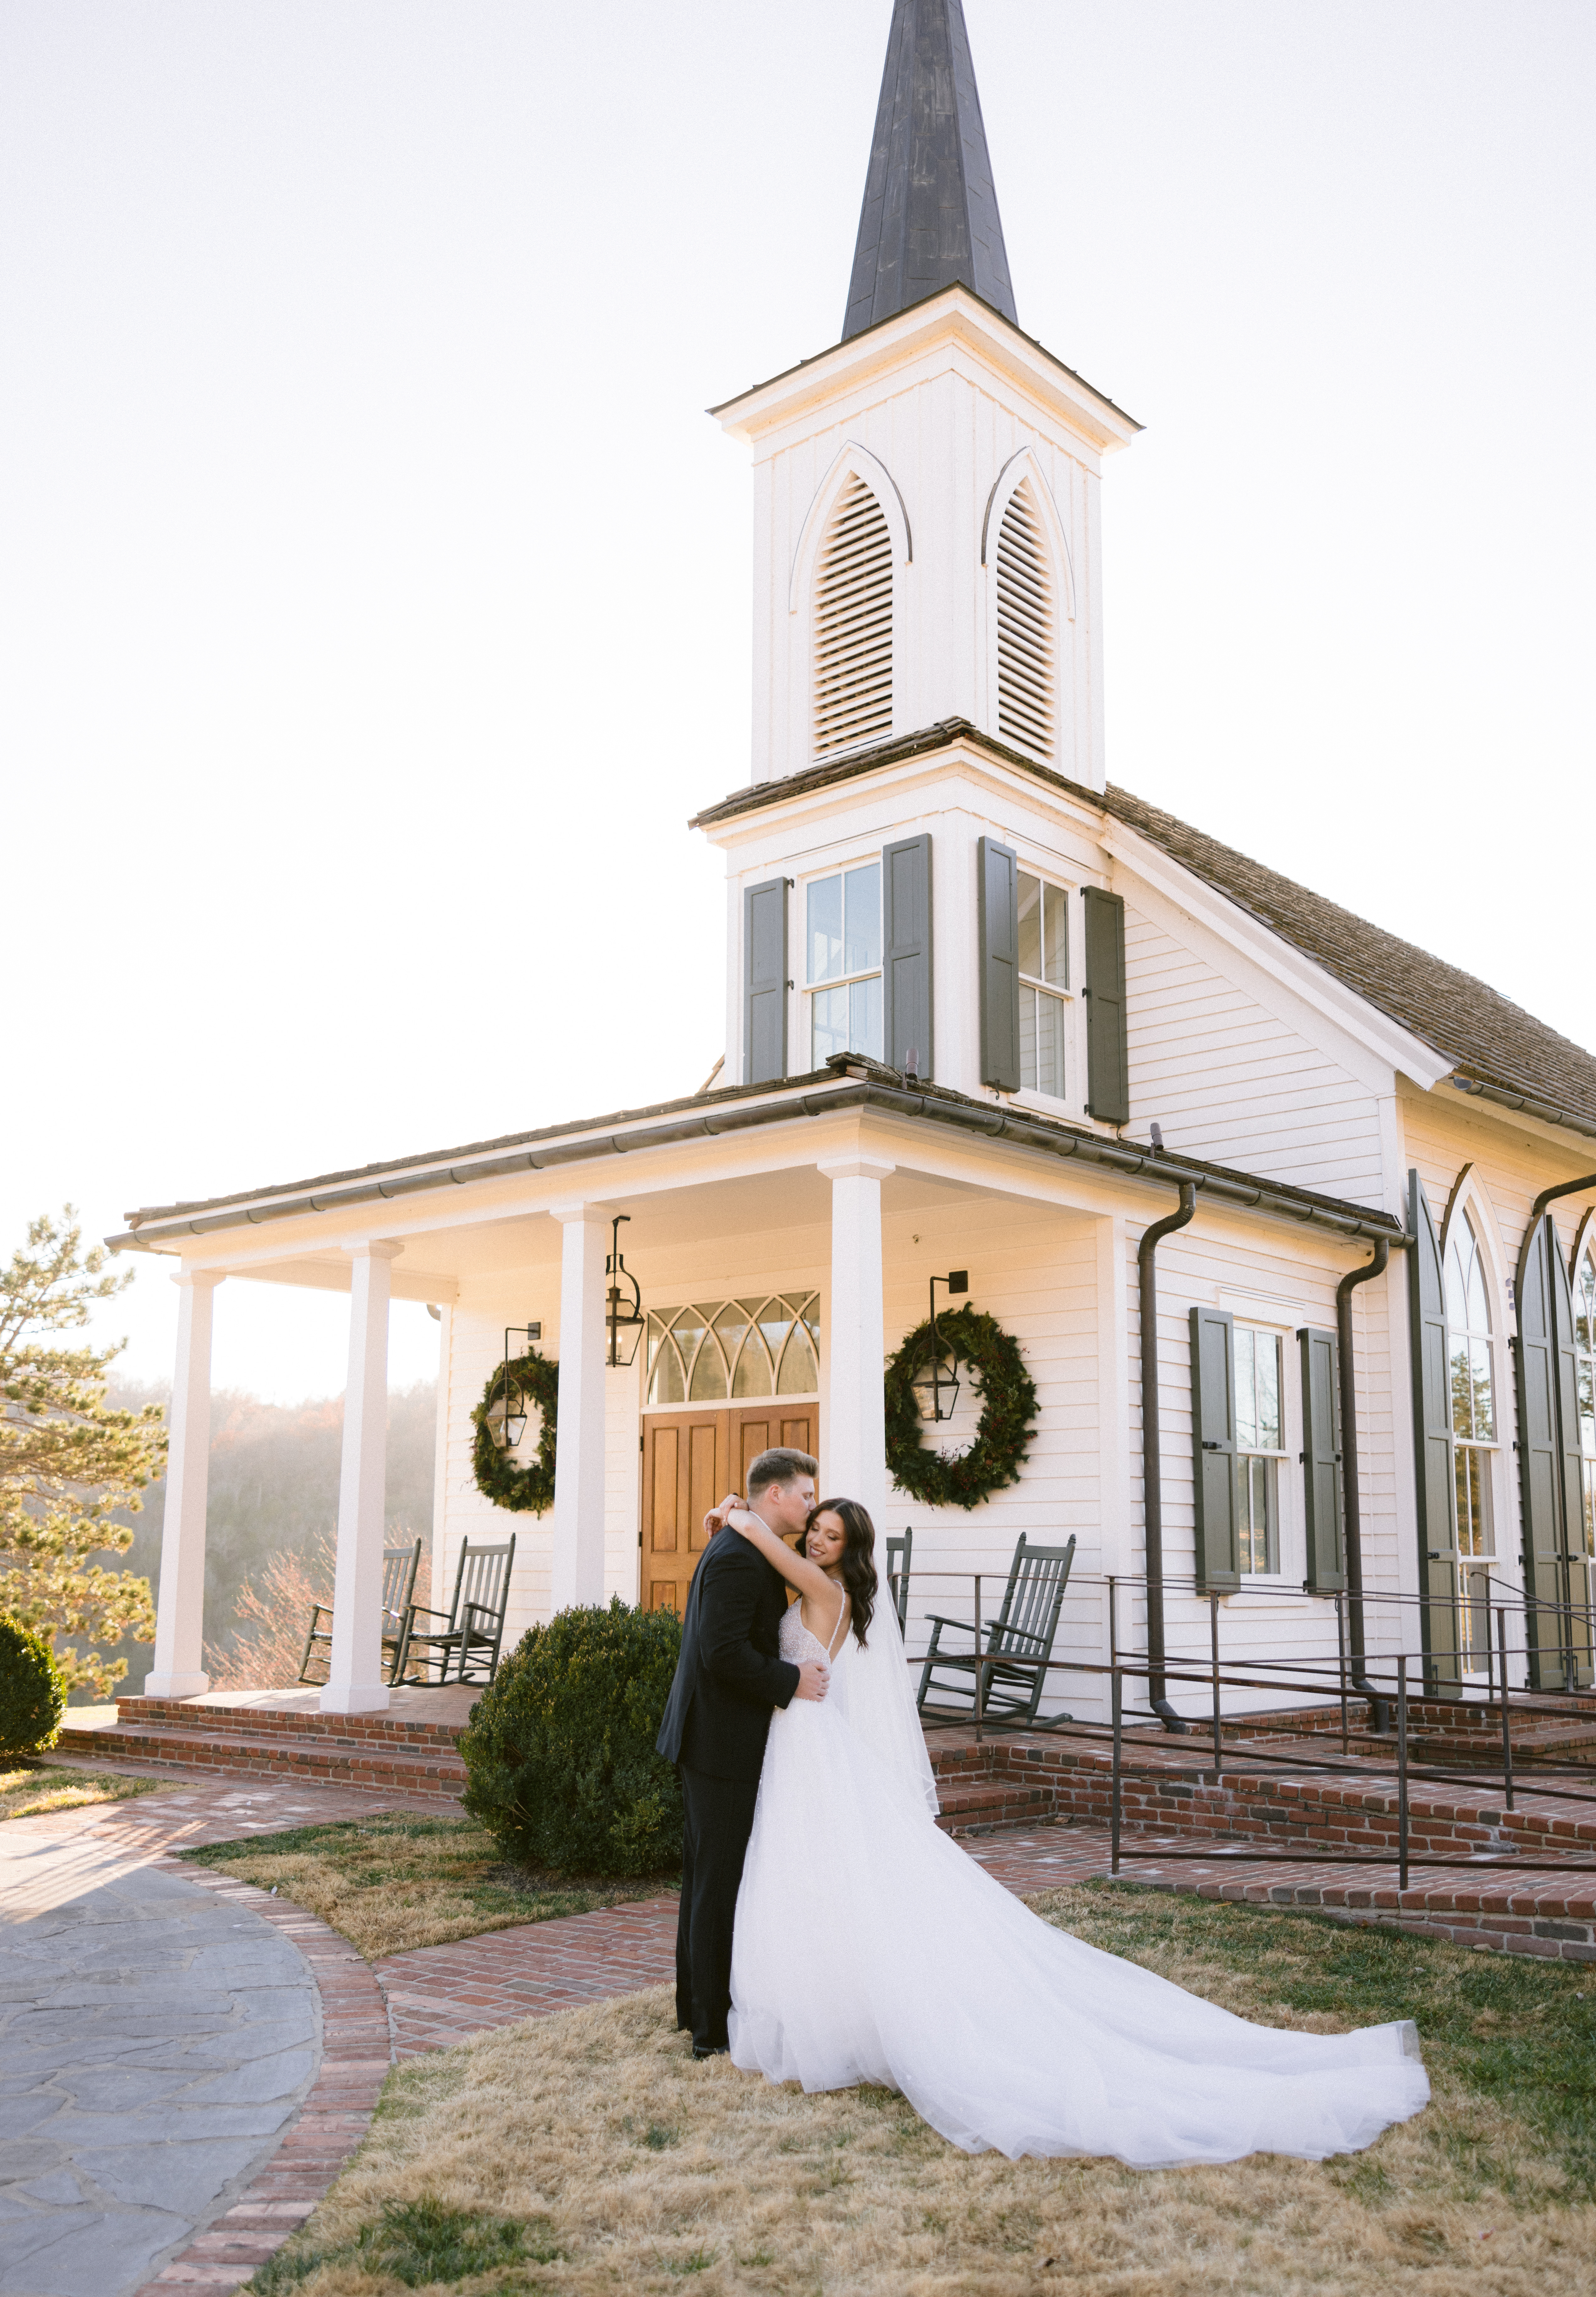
765	982
1321	1460
1107	1057
1549	1462
998	931
1213	1449
906	878
1575	1628
1434	1468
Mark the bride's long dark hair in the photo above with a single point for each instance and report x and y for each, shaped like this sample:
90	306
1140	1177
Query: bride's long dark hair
859	1556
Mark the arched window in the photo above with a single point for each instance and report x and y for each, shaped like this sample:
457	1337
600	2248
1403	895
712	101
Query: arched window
1025	627
1584	1373
853	625
1472	1365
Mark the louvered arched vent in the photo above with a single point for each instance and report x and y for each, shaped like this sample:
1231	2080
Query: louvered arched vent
853	625
1025	627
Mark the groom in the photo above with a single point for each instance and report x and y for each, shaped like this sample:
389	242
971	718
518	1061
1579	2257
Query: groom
729	1678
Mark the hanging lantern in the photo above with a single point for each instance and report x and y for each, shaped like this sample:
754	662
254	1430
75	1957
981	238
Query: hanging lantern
623	1317
505	1417
936	1387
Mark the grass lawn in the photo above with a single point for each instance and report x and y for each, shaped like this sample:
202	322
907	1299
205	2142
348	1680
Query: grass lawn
586	2154
399	1879
26	1789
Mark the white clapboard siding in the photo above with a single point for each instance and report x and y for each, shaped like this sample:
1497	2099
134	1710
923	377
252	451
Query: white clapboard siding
1231	1081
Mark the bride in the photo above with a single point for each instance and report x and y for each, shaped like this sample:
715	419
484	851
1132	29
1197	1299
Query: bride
870	1947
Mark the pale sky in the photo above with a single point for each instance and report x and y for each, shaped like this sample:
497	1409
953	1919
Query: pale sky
376	593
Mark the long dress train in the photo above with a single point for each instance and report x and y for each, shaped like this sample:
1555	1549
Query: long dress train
870	1947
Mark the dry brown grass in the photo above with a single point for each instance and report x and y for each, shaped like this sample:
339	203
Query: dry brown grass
630	2167
30	1788
399	1879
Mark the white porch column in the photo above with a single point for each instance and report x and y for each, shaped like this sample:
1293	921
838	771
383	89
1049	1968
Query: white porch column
578	1572
355	1684
180	1607
854	1436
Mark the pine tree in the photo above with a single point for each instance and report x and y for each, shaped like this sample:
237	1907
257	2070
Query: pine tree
69	1464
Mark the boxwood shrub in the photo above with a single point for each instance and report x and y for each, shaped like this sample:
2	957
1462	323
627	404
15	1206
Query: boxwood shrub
32	1695
559	1749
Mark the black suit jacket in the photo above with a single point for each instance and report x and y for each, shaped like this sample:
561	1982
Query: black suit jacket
729	1677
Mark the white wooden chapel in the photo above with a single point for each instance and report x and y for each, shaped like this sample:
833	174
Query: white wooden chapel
986	1012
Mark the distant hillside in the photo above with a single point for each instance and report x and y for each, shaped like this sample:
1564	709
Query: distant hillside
274	1487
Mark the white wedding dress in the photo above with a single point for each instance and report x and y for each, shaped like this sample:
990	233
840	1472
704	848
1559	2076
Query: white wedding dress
870	1947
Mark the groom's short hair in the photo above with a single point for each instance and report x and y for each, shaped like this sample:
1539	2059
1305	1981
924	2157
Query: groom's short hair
778	1466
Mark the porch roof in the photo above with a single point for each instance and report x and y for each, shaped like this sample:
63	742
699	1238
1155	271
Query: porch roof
848	1082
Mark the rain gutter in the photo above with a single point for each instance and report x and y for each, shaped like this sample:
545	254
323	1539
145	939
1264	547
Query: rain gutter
955	1112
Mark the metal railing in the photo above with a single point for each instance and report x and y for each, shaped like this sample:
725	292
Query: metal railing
1319	1681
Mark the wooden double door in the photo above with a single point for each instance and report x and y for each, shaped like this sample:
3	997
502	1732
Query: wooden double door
690	1460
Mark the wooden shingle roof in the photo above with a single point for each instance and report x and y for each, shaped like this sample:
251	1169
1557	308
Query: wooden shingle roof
1484	1034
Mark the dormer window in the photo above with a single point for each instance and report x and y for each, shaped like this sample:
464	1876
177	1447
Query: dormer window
842	963
853	626
1025	627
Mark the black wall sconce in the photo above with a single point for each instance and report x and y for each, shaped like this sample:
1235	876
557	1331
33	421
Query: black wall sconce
936	1391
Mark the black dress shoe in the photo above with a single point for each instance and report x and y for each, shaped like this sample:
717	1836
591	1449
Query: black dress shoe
723	2050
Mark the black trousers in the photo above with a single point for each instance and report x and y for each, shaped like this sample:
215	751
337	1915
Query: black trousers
718	1819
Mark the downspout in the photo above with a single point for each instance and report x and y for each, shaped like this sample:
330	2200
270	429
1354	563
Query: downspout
1547	1196
1152	1480
1379	1710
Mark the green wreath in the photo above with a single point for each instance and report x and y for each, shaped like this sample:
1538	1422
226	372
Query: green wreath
1009	1406
507	1486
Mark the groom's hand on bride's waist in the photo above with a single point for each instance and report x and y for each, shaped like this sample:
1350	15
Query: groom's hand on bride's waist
814	1677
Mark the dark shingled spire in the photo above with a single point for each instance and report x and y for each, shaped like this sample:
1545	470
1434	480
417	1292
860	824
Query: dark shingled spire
930	215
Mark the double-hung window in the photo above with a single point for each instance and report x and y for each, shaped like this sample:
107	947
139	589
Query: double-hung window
1260	1447
1044	980
842	963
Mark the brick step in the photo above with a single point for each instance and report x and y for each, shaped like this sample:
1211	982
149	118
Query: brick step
272	1723
993	1809
434	1774
1167	1791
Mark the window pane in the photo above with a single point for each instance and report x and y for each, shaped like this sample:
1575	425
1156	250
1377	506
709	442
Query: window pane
1056	940
1475	1534
754	1374
1028	1039
830	1010
798	1375
1246	1401
1266	1354
865	1018
1049	1043
826	929
1462	1390
668	1384
861	942
1485	1401
1031	925
709	1374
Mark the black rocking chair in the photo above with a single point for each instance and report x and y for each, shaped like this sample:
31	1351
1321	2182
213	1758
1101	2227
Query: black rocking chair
474	1626
400	1566
899	1555
1019	1645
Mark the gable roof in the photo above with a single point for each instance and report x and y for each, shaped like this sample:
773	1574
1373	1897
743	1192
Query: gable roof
1488	1038
1497	1050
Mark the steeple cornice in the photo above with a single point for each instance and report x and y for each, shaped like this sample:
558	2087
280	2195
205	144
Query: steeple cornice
930	213
956	317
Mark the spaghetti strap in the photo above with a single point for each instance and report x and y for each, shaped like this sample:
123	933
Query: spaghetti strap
840	1629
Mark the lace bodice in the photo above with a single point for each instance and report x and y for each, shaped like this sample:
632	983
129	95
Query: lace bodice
794	1641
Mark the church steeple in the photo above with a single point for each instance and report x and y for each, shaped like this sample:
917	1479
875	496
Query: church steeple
930	215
